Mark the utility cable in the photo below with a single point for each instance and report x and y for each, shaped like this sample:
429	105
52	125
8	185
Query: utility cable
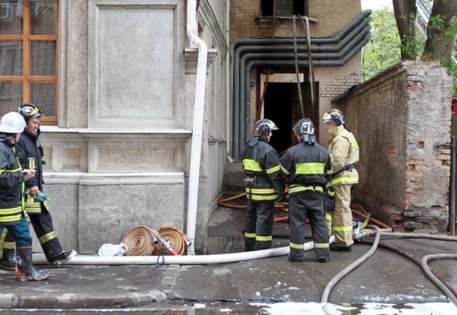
305	22
297	70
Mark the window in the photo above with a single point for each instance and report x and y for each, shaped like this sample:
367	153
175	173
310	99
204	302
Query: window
28	55
284	7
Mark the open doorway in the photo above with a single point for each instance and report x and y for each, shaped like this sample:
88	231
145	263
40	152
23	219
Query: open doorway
282	105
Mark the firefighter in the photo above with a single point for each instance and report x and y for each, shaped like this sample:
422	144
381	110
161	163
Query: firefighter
344	152
30	152
306	164
264	184
12	215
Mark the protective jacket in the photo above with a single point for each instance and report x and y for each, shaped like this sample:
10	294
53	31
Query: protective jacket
344	152
262	162
30	153
11	186
307	167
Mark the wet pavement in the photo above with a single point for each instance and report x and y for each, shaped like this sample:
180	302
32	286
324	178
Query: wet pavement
385	278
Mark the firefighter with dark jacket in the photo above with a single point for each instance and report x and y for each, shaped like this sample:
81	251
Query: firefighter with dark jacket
306	164
264	185
30	152
12	215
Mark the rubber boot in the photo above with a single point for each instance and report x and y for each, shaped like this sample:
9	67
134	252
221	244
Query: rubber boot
61	256
25	271
8	261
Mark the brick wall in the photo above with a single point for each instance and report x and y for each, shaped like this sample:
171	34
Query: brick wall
339	85
332	16
401	119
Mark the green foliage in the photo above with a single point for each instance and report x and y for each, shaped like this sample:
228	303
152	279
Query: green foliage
383	50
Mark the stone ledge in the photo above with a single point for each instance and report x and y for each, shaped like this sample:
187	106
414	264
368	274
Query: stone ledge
103	132
99	179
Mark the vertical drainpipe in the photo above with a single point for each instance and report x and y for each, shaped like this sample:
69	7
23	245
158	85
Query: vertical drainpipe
197	126
229	75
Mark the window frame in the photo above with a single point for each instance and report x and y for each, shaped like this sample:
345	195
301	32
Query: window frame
273	9
27	78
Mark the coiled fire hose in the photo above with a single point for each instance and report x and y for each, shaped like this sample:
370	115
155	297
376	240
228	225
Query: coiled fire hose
144	241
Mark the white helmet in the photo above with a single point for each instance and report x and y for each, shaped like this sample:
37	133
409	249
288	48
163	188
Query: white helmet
12	122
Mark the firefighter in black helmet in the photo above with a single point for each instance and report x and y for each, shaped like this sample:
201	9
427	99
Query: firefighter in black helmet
264	184
30	153
306	164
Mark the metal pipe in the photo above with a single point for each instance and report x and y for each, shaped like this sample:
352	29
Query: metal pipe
361	28
452	192
347	54
197	127
321	40
359	25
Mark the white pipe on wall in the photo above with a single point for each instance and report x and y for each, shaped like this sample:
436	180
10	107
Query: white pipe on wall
197	126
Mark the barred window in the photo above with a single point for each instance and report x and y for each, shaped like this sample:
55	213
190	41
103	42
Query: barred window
28	55
284	7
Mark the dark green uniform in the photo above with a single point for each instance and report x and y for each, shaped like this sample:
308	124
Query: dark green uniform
261	165
307	165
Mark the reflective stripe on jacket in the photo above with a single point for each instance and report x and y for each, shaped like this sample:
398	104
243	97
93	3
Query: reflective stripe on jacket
30	154
307	166
344	151
11	185
260	160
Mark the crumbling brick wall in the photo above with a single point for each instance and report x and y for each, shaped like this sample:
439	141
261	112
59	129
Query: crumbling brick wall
401	119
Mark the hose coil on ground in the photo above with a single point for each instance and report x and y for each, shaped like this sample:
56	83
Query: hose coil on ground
177	239
140	241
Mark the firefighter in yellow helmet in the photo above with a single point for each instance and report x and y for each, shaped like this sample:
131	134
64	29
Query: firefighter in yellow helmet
344	152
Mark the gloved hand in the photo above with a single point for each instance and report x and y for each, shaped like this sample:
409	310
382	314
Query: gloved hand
41	197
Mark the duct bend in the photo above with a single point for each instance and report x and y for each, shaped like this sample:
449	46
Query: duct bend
197	125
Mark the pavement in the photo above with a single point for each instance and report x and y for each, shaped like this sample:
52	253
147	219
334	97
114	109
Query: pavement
385	278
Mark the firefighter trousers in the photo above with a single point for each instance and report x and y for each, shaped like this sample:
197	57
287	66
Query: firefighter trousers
307	204
44	229
259	225
342	216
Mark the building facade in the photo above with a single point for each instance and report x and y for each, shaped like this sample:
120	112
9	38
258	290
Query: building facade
116	81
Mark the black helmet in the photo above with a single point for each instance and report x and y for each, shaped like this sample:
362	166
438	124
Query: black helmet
28	111
305	127
334	115
263	127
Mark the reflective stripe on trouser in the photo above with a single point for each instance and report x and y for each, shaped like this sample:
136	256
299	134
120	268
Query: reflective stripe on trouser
328	219
307	204
259	225
7	245
342	216
44	229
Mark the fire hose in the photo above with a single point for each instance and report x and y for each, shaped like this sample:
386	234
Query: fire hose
144	241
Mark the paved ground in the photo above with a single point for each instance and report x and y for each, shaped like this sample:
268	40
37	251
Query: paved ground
386	277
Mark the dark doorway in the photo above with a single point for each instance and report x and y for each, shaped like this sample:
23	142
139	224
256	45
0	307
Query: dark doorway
282	106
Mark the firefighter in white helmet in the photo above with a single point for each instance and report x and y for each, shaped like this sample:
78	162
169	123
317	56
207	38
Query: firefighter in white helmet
344	152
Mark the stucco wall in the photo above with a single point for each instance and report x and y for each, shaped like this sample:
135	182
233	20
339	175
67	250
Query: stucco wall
401	119
119	156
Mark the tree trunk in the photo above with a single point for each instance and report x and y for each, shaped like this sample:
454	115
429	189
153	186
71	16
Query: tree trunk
405	16
440	47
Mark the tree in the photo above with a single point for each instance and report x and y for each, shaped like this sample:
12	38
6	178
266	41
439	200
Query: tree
405	16
383	50
441	31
